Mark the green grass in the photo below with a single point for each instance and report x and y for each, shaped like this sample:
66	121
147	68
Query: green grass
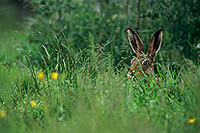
95	97
90	53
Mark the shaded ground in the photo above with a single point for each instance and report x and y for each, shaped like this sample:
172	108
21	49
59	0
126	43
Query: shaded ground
12	14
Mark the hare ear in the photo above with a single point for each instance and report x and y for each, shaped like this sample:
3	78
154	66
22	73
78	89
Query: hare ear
135	42
155	43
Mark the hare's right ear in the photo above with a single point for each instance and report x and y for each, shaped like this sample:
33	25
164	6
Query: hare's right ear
135	42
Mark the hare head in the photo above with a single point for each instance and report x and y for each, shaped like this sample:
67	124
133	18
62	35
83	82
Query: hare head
143	63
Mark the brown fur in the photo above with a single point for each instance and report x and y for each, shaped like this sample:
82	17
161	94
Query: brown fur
143	63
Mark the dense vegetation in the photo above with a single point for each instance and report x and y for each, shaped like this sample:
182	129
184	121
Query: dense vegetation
65	70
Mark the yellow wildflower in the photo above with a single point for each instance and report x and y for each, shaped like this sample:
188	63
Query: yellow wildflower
191	120
54	75
33	103
174	113
2	114
41	75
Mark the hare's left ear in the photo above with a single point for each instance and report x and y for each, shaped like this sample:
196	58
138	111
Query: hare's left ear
155	43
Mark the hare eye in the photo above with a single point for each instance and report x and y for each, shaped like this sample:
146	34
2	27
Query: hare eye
146	62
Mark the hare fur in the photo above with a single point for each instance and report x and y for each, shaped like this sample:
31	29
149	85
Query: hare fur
143	63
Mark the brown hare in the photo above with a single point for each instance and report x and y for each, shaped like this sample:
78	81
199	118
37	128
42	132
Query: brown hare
143	63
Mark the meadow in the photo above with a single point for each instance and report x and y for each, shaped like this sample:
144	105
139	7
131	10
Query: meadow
65	68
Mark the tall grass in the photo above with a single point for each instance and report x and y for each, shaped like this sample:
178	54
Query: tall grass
92	92
94	96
